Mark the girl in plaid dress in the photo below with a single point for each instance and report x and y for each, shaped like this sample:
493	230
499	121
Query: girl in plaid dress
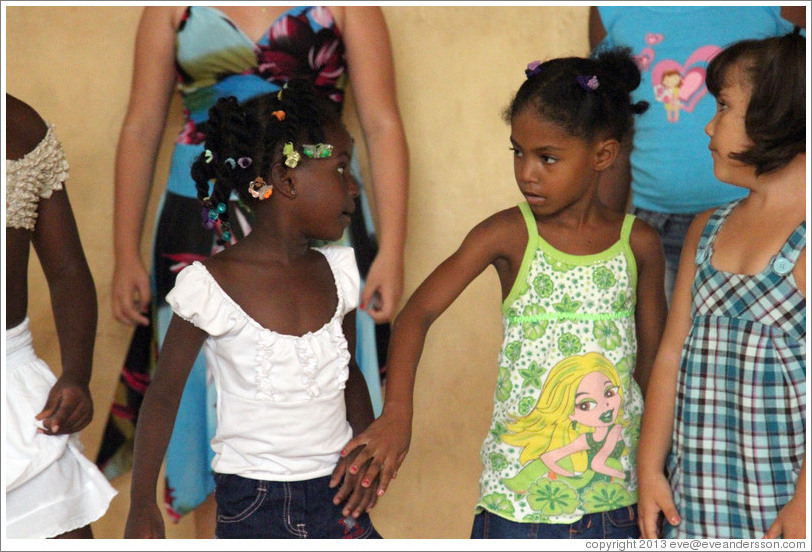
727	396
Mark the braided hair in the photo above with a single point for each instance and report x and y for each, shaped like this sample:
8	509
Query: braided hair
558	91
242	141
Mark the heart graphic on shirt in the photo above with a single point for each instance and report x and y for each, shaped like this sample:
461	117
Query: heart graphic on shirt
652	38
692	73
644	59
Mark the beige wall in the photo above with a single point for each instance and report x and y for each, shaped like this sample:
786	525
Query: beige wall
457	68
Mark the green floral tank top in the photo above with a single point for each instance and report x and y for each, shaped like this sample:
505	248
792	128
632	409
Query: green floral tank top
566	418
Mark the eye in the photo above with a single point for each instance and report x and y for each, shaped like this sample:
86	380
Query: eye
586	405
720	106
516	151
610	392
547	160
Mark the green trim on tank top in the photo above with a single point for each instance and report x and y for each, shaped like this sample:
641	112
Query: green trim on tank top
580	316
535	242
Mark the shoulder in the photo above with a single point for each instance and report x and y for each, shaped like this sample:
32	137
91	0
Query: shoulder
25	128
505	224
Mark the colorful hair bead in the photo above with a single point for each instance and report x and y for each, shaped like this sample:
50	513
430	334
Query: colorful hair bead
590	84
208	155
230	162
259	189
280	115
244	162
317	151
291	155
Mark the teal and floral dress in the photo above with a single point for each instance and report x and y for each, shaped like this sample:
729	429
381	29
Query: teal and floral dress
567	411
214	59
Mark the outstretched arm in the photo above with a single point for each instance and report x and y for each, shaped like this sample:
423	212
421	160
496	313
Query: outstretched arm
155	423
658	414
387	439
152	84
372	78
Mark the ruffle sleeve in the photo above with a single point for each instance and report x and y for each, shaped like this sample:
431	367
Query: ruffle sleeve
197	298
36	175
348	279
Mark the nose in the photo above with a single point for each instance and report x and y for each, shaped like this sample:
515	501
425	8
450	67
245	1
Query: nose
354	188
710	126
525	170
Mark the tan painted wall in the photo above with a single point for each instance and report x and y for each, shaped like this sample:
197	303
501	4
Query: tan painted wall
457	67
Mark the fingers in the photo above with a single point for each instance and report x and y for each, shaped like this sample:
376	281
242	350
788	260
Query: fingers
648	523
774	531
131	297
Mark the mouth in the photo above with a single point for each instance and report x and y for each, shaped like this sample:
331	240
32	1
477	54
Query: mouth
534	199
607	416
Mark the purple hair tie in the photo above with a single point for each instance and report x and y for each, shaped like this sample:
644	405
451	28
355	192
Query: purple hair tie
590	84
532	68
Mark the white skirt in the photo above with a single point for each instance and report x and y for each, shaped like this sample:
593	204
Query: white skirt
51	488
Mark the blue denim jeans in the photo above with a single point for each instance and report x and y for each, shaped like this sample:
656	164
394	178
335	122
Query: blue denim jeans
254	509
614	524
672	228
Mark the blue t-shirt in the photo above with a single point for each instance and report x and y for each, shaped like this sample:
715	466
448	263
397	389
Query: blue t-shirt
672	169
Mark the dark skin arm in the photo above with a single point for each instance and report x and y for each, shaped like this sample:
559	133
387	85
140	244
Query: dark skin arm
155	423
360	499
386	442
69	407
652	308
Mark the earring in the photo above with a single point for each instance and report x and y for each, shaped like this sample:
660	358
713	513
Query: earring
259	189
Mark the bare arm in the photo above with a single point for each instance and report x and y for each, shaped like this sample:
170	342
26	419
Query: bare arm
372	77
69	407
155	423
795	15
652	307
150	95
658	414
387	439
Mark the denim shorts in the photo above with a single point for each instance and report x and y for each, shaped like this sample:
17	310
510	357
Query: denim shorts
255	509
614	524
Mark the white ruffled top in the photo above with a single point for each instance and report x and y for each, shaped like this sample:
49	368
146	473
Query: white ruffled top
35	175
281	414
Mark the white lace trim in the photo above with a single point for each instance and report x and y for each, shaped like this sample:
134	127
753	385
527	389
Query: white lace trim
36	175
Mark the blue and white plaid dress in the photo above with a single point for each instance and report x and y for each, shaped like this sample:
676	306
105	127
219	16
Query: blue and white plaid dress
739	433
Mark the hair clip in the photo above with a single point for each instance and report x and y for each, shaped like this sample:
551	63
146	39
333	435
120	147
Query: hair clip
532	68
280	115
230	162
244	162
590	84
291	155
317	151
259	189
208	156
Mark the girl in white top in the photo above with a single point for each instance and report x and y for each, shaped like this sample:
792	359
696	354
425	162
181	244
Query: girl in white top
275	318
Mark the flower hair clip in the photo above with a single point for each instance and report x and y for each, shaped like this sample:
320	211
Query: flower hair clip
259	189
317	151
291	155
532	68
590	84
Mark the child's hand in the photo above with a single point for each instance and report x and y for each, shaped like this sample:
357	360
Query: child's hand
362	491
144	522
655	497
379	451
790	523
68	409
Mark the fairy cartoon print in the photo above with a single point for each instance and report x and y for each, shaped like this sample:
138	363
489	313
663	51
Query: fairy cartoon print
575	430
679	87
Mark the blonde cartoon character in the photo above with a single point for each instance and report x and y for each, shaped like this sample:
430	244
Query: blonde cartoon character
575	429
668	93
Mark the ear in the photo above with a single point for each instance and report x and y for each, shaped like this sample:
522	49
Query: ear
606	152
282	178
